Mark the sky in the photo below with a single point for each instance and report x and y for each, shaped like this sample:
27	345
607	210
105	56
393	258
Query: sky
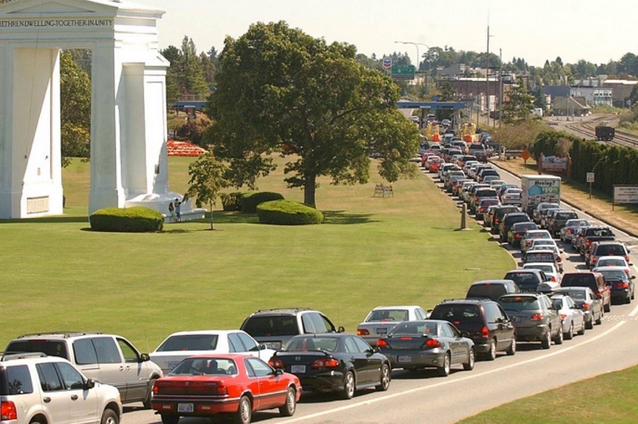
535	30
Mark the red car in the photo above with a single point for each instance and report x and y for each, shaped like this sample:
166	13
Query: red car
435	165
237	385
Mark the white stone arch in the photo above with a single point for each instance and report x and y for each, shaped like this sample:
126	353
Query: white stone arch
128	112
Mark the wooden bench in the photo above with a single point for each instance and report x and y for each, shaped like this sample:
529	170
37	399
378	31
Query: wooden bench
383	190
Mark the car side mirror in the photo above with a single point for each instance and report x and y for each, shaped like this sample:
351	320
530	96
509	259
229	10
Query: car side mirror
278	372
262	347
465	334
341	329
145	357
89	384
633	277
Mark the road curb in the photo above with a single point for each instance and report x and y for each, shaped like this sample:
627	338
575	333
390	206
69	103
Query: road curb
606	221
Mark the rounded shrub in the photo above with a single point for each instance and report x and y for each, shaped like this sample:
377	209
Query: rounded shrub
131	220
232	201
250	201
287	212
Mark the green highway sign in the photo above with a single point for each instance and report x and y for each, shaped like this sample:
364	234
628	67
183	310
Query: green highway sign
403	71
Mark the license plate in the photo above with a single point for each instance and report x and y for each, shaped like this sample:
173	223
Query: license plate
382	331
298	369
405	359
185	407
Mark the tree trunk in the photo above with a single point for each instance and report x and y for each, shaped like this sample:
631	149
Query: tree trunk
309	189
211	217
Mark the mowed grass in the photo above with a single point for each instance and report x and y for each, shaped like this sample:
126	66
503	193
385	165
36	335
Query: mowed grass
608	398
58	275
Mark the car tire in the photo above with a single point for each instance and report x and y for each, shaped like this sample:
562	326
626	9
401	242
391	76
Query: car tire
147	403
608	306
570	334
511	351
546	343
444	371
491	352
600	318
581	332
385	378
469	365
244	412
289	408
109	416
349	384
559	336
169	419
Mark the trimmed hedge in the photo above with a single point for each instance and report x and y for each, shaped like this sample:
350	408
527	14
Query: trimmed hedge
131	220
232	201
250	201
287	212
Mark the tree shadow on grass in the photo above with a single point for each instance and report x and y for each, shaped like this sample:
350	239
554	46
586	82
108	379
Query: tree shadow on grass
343	218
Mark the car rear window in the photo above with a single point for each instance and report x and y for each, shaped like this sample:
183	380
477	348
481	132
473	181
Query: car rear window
610	250
388	315
575	294
579	280
327	344
524	226
565	216
272	325
544	268
486	291
526	281
599	232
457	313
15	380
612	262
48	347
540	257
614	275
415	327
189	342
520	303
486	193
205	366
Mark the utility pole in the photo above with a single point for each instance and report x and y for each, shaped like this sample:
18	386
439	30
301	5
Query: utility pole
418	59
500	90
487	74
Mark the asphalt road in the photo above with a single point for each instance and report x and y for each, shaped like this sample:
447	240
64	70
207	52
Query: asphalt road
424	397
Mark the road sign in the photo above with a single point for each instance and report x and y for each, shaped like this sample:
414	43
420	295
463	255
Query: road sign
625	194
387	62
591	177
403	71
525	154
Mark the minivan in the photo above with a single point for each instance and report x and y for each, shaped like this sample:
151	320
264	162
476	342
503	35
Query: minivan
491	289
594	280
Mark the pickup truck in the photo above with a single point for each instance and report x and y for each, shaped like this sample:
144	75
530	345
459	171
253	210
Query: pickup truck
478	151
595	234
559	220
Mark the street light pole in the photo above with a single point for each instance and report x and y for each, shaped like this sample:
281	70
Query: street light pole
418	58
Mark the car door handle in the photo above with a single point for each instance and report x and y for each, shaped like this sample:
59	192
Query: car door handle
47	399
74	397
128	368
121	368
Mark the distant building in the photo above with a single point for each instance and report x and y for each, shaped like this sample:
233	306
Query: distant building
556	90
594	96
570	106
621	91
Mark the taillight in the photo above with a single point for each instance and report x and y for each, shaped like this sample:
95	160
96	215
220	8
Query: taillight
563	316
406	338
594	259
363	332
559	259
585	306
536	317
325	363
485	332
223	390
155	389
517	235
627	259
553	278
621	285
496	221
276	363
8	411
587	242
382	343
431	343
570	231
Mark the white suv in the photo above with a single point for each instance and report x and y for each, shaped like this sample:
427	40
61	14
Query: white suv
109	359
40	389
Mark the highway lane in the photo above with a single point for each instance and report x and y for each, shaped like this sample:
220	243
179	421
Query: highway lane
421	397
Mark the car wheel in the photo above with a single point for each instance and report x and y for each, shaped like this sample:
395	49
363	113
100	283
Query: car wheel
147	402
581	332
469	365
559	336
547	340
491	353
570	333
244	412
633	294
511	351
444	371
384	382
289	408
608	306
348	386
110	417
170	419
600	317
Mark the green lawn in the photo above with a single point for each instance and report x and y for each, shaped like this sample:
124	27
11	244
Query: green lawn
57	275
609	398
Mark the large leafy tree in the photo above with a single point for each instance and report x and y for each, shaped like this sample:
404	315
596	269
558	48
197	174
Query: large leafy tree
75	109
281	90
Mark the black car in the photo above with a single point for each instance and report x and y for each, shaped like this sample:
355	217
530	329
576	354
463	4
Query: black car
336	362
527	280
499	213
509	220
481	320
518	230
535	316
415	345
491	289
622	285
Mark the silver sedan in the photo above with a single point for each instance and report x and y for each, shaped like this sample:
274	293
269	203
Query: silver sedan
572	317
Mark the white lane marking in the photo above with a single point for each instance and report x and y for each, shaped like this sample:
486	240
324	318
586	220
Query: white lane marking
634	312
445	383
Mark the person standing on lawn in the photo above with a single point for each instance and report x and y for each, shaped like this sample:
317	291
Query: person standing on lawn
171	211
178	210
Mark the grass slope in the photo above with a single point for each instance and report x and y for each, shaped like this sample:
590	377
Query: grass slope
604	399
371	251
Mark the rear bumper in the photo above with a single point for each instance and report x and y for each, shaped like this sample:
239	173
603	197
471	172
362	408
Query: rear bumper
481	346
531	334
620	294
417	358
201	408
331	381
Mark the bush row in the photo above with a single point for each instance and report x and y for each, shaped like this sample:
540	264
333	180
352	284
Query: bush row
132	220
250	201
232	201
287	212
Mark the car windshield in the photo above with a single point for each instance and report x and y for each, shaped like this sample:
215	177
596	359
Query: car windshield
526	281
268	326
415	327
205	366
189	342
48	347
457	313
614	275
327	344
520	303
385	315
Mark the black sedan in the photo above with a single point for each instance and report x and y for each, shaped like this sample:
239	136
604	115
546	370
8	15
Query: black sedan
332	362
416	345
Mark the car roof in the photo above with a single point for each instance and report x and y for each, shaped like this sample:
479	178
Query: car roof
525	294
539	231
524	271
62	334
502	281
205	332
28	358
382	308
612	257
462	301
609	268
282	311
542	251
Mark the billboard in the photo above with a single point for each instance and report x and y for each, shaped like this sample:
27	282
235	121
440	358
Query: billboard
625	194
554	164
